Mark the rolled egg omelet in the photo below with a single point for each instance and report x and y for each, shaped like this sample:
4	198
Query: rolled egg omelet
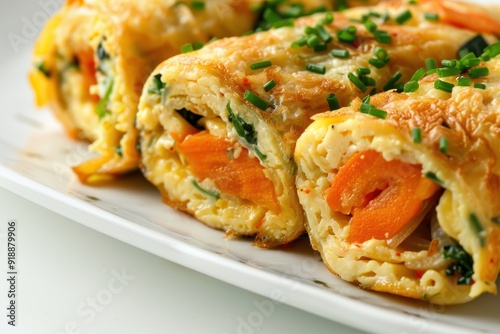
93	57
401	190
218	126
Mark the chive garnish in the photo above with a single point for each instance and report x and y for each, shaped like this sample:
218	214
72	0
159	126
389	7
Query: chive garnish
411	87
383	37
209	193
443	145
319	69
480	86
367	81
433	177
431	16
300	42
198	5
363	71
243	129
323	34
377	113
471	62
449	63
43	69
403	17
340	53
157	85
333	101
463	81
416	134
260	64
370	26
444	72
100	109
381	53
478	72
444	86
346	36
477	227
188	47
269	85
392	81
377	62
312	41
255	100
430	64
418	75
357	82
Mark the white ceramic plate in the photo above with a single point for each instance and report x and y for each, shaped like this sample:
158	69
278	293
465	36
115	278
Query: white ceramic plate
35	160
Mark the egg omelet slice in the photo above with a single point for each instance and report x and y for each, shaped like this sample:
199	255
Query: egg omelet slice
218	126
401	191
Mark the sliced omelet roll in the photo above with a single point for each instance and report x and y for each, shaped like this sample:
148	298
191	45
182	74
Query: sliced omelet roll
401	191
218	126
93	57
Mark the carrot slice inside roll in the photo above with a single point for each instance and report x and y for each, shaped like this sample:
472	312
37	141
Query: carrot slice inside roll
382	196
242	176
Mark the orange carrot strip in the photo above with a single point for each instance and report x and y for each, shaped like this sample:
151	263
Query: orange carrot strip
242	176
382	196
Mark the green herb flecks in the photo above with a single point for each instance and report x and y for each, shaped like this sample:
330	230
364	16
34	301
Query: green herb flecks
101	109
42	68
478	228
157	86
462	265
209	193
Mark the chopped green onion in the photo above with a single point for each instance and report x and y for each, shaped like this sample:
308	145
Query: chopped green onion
381	53
444	86
432	176
320	48
493	50
340	53
478	228
260	64
346	36
431	16
188	47
367	81
365	107
444	72
418	75
371	26
377	62
319	69
300	42
471	62
478	72
255	100
198	5
357	82
377	113
463	81
312	41
430	64
403	17
449	63
383	37
480	86
392	81
416	134
209	193
327	19
269	85
363	71
333	101
323	34
411	86
283	23
443	145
